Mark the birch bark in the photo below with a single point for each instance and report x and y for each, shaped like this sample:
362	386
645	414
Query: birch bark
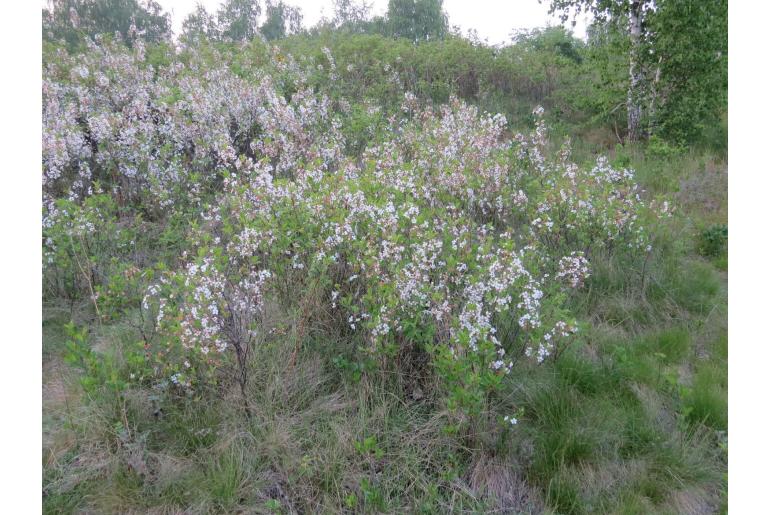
633	103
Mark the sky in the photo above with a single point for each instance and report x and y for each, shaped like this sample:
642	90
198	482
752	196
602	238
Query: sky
494	20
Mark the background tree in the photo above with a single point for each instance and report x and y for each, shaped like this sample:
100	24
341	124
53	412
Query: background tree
418	20
238	20
676	59
281	19
352	15
200	24
606	65
631	13
72	20
687	57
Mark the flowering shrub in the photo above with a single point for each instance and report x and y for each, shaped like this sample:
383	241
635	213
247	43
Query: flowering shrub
445	237
74	236
434	242
157	136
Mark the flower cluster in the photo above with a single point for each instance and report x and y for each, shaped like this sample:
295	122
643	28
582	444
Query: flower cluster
545	347
573	269
582	209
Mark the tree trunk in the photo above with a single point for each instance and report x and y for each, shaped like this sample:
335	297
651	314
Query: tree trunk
653	98
633	103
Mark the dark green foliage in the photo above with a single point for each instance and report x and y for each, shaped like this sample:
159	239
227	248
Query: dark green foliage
712	240
541	68
689	50
607	51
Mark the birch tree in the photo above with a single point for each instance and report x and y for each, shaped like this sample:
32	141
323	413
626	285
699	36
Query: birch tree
633	13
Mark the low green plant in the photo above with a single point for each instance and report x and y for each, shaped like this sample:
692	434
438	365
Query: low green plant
712	241
97	370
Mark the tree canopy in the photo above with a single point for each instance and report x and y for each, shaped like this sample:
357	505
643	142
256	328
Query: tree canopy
676	60
72	20
418	20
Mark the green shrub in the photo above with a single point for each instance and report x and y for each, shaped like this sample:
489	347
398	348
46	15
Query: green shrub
712	241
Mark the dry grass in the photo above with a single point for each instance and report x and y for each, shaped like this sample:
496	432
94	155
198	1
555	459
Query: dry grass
693	501
702	191
503	486
654	406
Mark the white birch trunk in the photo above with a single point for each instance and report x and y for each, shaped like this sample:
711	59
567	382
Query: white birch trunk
633	103
654	96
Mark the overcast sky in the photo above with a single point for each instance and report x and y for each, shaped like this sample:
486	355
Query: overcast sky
493	19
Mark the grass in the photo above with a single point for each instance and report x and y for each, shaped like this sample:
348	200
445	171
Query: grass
631	419
706	400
